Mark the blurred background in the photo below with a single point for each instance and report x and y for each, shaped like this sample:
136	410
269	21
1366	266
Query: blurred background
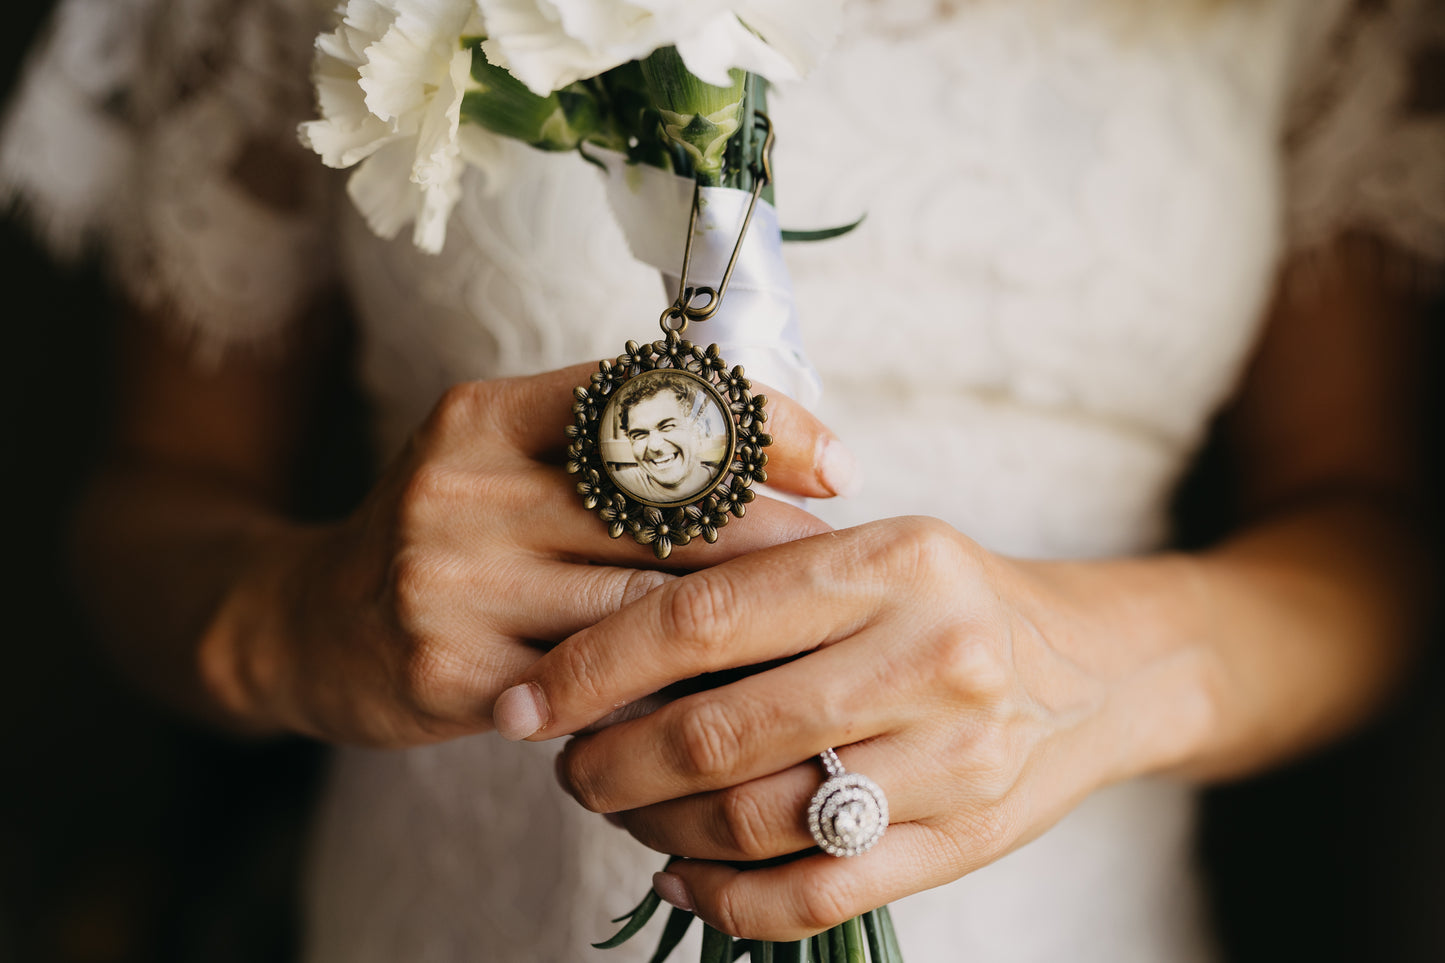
127	836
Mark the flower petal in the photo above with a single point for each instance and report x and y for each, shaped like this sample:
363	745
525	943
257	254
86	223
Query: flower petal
722	43
800	30
382	189
548	44
413	57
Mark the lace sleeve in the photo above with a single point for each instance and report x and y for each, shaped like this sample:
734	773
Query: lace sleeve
1366	130
163	133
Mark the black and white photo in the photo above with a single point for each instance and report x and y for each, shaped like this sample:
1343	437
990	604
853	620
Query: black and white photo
665	438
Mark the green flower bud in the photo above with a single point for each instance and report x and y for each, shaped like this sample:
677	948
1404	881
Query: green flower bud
700	118
501	103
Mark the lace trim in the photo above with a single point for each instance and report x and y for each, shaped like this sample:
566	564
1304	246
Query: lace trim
1366	133
160	132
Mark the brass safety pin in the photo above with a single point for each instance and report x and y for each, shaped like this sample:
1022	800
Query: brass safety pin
682	310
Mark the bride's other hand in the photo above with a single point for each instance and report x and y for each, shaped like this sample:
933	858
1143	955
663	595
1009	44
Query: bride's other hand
403	623
961	682
399	624
986	695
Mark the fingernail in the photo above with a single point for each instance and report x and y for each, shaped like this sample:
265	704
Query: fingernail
519	712
616	820
839	469
673	890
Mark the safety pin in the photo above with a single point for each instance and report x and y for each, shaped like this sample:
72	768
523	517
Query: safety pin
682	310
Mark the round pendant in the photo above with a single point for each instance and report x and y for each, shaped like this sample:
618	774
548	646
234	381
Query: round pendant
669	442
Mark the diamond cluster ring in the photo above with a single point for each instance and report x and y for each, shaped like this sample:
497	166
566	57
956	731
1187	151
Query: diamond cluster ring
848	813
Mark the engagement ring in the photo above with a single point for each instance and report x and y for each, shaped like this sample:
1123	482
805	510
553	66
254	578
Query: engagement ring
849	812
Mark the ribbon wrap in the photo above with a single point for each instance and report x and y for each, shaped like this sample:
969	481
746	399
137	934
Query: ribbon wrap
757	324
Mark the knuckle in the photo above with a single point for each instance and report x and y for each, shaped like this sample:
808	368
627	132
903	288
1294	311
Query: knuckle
992	761
578	679
707	743
432	673
429	675
973	667
991	756
700	613
585	782
412	583
424	496
935	545
923	549
988	831
435	727
744	824
726	912
824	904
456	410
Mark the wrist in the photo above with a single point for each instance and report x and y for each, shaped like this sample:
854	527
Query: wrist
247	650
1139	629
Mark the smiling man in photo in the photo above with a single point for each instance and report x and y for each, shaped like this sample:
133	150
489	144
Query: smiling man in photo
662	420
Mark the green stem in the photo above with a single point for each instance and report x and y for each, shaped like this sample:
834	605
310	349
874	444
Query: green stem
877	947
672	934
757	103
852	931
740	174
788	952
635	920
889	936
717	946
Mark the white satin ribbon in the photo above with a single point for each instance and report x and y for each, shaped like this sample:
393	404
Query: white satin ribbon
757	324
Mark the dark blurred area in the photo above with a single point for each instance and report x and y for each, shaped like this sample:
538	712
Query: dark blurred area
127	836
1340	856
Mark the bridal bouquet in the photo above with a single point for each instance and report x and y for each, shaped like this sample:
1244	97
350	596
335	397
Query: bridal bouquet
668	98
414	91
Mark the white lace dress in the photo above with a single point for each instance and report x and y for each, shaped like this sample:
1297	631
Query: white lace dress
1076	213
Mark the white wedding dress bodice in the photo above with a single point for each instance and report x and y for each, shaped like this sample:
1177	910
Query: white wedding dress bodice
1075	216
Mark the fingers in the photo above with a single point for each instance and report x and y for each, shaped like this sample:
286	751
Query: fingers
809	895
767	818
535	509
579	534
553	590
757	820
722	737
769	605
576	595
805	457
527	415
533	412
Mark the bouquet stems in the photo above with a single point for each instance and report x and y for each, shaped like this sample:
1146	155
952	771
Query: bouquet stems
869	938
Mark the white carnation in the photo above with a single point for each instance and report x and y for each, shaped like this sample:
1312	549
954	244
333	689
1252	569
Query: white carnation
389	85
548	44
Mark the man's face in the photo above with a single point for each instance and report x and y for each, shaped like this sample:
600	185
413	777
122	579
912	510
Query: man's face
663	437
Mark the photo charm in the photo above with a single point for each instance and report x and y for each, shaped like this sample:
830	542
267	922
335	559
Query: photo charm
669	442
667	438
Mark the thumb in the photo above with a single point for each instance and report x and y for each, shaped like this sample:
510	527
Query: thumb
806	458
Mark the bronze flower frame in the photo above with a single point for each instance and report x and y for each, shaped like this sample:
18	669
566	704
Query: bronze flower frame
728	494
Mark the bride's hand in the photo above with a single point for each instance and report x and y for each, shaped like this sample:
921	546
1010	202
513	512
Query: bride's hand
950	676
400	625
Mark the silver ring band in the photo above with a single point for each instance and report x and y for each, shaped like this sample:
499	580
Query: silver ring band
849	813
